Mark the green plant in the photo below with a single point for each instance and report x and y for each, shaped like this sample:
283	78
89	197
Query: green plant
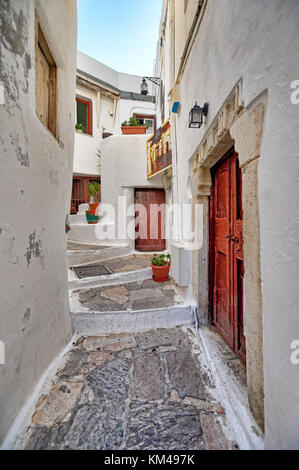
161	260
93	191
79	126
132	122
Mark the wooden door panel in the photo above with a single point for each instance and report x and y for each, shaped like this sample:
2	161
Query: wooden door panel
226	251
150	210
221	294
42	87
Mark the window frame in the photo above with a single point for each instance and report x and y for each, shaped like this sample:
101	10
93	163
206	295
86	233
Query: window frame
41	44
80	194
88	102
147	116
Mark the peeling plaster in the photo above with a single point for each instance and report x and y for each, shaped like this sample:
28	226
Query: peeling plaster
27	315
34	249
26	318
13	28
22	156
13	39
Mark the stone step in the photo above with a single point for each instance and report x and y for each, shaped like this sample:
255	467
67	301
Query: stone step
110	280
134	267
128	307
102	323
87	254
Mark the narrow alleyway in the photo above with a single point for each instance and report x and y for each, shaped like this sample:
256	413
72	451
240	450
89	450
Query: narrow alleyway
131	391
127	382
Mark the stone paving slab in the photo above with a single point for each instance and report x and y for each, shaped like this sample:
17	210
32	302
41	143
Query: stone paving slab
129	392
72	246
138	295
124	264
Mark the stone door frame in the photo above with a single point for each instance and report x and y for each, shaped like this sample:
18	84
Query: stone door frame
241	128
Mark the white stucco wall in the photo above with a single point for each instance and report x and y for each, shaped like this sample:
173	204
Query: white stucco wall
106	113
35	188
85	155
121	81
123	169
257	42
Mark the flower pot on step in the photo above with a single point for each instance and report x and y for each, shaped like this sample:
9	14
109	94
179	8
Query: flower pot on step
91	218
161	273
93	207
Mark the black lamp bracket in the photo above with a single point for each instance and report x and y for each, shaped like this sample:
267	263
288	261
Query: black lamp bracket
155	80
205	109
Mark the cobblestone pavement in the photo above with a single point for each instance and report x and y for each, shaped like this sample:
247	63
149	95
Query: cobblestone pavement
136	295
143	391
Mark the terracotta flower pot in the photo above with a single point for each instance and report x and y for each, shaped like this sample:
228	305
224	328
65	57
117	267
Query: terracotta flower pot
91	218
161	273
93	207
129	130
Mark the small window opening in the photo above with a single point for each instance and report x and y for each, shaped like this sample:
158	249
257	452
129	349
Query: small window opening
46	82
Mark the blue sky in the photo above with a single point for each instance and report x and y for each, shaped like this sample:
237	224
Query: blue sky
122	34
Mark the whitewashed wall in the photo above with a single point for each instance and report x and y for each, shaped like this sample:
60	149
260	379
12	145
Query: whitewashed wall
35	188
85	155
123	169
122	81
105	114
256	42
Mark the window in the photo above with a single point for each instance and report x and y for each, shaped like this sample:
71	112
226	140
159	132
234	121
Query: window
149	121
46	82
80	191
84	114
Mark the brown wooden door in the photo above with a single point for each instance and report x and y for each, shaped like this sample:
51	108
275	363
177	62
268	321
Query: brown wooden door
150	219
226	252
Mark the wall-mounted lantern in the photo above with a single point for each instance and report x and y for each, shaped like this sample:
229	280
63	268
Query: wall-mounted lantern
144	85
197	114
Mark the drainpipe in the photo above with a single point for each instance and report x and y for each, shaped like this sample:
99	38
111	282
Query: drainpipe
115	102
175	189
99	109
192	33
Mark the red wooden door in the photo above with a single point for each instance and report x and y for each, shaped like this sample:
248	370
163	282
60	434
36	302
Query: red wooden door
226	251
150	219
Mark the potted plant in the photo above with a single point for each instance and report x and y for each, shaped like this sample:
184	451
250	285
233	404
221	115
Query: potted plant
132	127
79	128
160	267
93	195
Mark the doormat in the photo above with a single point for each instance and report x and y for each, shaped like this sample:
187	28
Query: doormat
92	271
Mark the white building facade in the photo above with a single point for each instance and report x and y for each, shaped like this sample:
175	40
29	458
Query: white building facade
37	118
240	58
111	98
